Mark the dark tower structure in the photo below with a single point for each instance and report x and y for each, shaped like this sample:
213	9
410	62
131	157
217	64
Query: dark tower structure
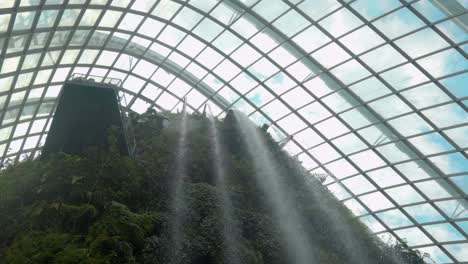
85	112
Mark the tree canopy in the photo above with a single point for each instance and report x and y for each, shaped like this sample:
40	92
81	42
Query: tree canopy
116	209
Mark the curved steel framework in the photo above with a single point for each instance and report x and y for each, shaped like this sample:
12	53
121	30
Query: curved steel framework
372	93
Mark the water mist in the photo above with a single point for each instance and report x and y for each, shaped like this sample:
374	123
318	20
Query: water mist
231	232
178	204
287	219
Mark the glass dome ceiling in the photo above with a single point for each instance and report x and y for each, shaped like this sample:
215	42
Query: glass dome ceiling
373	94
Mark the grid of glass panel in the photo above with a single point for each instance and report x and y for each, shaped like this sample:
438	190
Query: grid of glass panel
374	95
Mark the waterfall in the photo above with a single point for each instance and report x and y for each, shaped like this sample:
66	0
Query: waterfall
231	232
178	204
287	219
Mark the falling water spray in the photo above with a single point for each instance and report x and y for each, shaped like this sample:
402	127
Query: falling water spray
285	216
178	204
231	231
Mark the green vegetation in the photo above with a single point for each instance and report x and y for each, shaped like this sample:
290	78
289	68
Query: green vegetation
109	208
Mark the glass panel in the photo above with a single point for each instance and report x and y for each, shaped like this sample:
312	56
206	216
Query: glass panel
244	27
265	40
394	218
207	29
224	13
410	124
130	22
227	42
350	72
204	5
431	143
444	232
227	70
10	65
416	170
167	101
291	23
308	138
452	29
300	71
297	98
358	117
330	55
339	101
367	160
369	89
404	76
276	109
377	135
436	189
458	135
332	128
324	153
423	213
385	177
429	10
398	23
291	124
358	185
340	22
311	39
376	201
404	195
447	115
90	17
171	36
259	96
245	55
282	56
318	8
355	207
263	69
338	191
187	18
306	161
151	27
166	9
444	63
270	9
69	17
349	143
151	91
383	58
413	236
426	95
369	10
372	223
396	152
458	251
7	4
456	86
24	20
354	41
341	168
415	45
4	22
451	163
47	18
143	6
314	112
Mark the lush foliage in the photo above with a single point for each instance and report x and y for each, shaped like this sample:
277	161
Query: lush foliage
114	209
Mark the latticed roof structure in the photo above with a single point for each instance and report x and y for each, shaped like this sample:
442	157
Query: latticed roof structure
373	94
